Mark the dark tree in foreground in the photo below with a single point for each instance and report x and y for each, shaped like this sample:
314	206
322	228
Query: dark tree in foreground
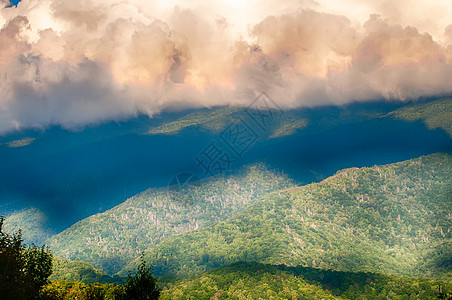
143	285
23	270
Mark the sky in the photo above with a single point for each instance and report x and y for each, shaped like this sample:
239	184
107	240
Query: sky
74	63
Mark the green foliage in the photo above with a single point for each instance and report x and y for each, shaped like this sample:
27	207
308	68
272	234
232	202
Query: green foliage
245	281
288	127
67	270
214	120
392	219
70	290
23	270
218	118
437	114
279	125
112	239
261	281
142	285
34	225
258	281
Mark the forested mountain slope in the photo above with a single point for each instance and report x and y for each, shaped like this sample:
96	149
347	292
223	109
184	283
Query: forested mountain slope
437	114
70	175
393	219
32	222
64	269
434	113
260	281
112	239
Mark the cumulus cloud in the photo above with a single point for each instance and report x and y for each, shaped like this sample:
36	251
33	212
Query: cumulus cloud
74	63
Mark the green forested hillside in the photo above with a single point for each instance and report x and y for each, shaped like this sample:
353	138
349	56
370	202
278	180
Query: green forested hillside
112	239
278	124
214	120
260	281
32	222
392	219
437	114
217	120
64	269
263	281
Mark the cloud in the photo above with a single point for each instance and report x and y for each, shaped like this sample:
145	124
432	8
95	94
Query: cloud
76	63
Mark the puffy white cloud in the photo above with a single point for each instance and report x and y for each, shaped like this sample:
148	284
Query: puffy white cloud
78	62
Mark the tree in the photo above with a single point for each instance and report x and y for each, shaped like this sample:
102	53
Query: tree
23	270
143	285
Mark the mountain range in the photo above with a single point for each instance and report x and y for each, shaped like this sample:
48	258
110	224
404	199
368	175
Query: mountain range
361	189
392	219
111	239
71	175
